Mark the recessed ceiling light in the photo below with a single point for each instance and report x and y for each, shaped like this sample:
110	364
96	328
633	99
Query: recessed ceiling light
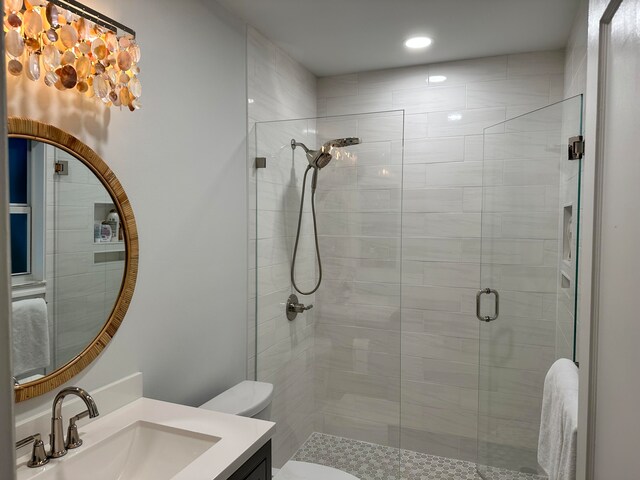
437	78
454	117
418	42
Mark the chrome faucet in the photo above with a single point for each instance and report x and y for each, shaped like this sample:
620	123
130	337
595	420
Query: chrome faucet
58	446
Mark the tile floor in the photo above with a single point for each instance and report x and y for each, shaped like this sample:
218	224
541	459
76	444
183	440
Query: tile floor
369	461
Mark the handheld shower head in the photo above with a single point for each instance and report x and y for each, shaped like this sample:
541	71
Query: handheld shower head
321	158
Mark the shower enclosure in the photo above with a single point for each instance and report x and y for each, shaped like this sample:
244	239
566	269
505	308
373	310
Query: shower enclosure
390	373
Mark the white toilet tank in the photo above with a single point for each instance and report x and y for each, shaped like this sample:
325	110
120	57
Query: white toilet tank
247	399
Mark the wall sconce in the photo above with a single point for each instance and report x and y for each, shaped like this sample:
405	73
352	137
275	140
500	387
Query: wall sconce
71	46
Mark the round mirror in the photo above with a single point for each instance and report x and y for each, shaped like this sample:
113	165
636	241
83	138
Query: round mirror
74	255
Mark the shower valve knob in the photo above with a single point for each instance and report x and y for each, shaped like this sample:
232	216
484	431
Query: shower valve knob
293	307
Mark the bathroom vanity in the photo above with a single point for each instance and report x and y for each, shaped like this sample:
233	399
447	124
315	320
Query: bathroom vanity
149	439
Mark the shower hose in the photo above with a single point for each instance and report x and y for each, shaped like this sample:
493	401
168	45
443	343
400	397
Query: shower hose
315	231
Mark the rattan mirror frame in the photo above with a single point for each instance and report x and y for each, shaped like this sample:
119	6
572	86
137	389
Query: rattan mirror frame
34	130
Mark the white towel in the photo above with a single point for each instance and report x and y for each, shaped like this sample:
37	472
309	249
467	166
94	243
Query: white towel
559	422
30	328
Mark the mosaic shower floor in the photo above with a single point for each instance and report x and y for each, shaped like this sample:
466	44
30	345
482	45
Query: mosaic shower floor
369	461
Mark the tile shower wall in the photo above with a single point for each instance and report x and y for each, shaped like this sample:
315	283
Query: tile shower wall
442	177
80	291
575	83
357	336
279	88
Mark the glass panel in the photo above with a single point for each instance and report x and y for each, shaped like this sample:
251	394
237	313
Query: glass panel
20	254
335	367
529	244
18	171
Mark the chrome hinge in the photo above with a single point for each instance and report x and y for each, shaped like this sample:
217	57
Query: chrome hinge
62	167
576	148
261	162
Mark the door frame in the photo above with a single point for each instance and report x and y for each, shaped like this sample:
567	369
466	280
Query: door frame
586	455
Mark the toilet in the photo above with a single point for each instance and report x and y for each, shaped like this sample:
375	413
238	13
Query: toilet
253	399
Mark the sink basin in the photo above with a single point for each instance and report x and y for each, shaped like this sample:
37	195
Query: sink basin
153	440
141	451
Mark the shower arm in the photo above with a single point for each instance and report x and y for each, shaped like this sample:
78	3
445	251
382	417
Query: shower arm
295	144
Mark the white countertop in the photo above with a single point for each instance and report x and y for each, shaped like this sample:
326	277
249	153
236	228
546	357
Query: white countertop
240	437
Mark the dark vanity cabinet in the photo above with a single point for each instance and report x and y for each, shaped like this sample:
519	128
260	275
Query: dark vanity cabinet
258	467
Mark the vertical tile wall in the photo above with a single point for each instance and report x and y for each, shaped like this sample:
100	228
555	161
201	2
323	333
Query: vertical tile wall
441	231
575	83
81	291
357	336
279	88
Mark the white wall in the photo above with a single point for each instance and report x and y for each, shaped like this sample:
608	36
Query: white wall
181	160
7	455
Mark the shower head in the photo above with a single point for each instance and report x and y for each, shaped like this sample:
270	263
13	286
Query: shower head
321	158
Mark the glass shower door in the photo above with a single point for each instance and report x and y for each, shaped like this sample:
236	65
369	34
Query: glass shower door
528	251
336	367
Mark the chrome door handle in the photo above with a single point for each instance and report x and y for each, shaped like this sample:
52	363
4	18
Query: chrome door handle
488	291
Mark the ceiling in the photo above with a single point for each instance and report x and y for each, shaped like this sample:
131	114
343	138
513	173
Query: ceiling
332	37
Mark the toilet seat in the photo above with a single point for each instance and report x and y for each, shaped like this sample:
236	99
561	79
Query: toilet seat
293	470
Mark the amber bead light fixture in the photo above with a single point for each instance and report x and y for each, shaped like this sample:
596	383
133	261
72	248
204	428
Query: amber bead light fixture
70	46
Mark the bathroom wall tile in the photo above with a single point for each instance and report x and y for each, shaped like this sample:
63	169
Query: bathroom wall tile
528	172
415	126
437	150
512	252
363	362
380	177
450	324
440	347
358	429
362	103
381	127
451	421
281	88
431	298
360	247
524	278
514	199
529	90
433	200
533	225
473	70
361	270
521	357
332	127
359	338
338	86
451	274
429	99
414	176
369	316
536	63
513	381
463	122
373	153
436	395
441	249
474	148
440	444
393	79
362	408
441	202
450	225
378	200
